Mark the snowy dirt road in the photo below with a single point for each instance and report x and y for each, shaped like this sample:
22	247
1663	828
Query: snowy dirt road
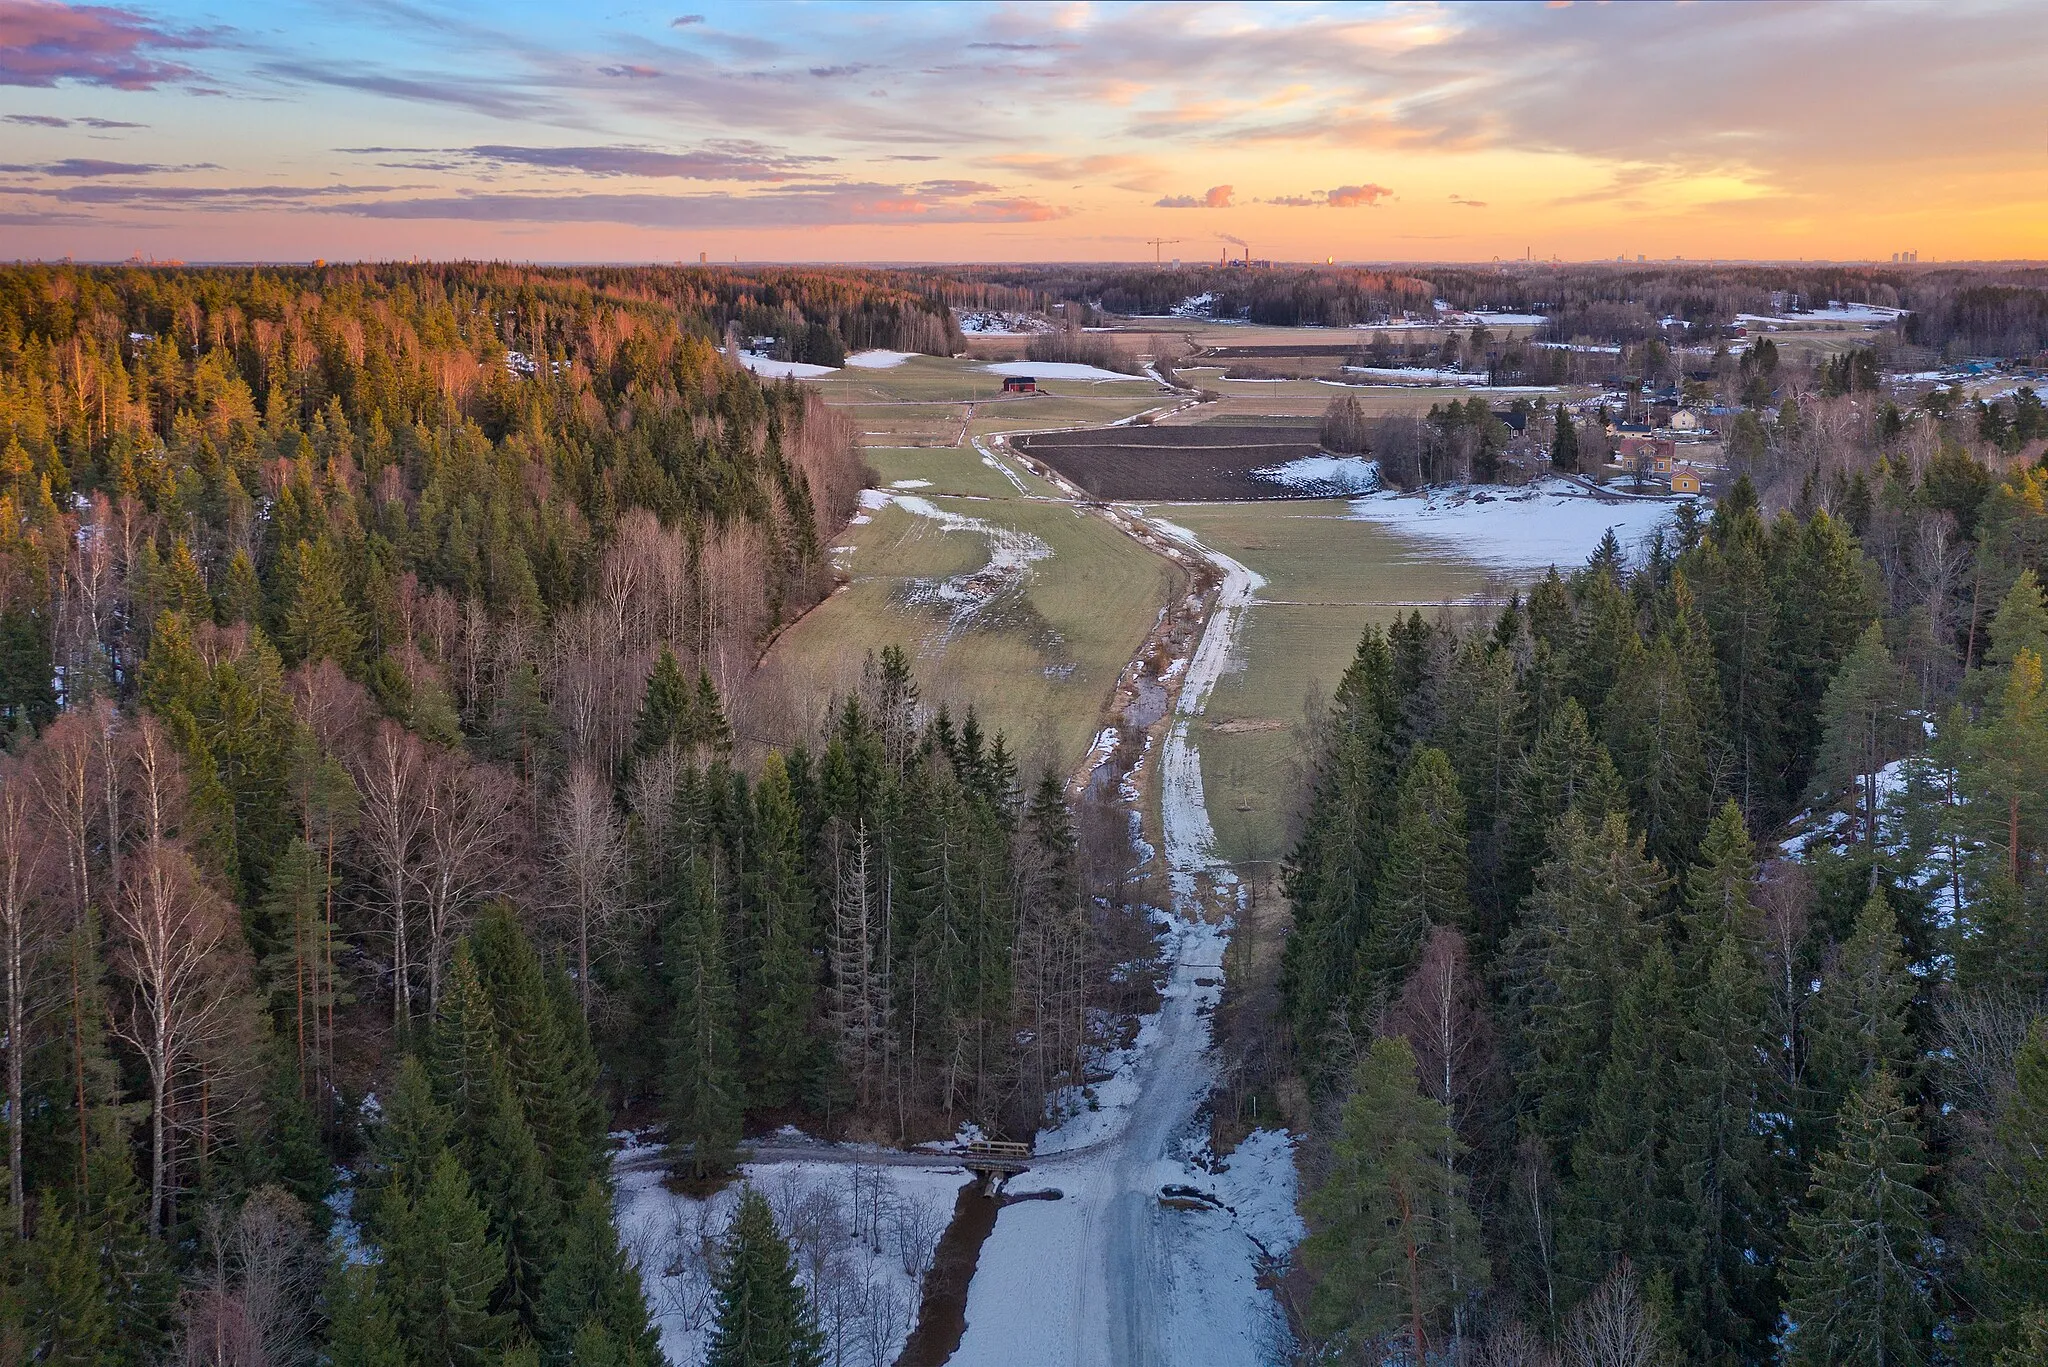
1109	1275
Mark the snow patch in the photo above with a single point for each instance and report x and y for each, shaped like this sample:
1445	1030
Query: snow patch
878	359
1322	475
910	484
1550	522
1057	370
769	368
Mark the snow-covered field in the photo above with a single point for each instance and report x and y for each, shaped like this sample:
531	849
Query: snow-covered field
997	323
963	597
864	1235
1395	375
878	359
1056	370
1324	475
1835	312
769	368
1550	522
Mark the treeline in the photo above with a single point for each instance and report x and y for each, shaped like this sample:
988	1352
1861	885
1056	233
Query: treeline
1599	1061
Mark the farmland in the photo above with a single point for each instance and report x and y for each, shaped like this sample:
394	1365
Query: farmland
1207	461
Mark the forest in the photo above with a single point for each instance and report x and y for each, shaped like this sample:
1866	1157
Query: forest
376	835
1667	965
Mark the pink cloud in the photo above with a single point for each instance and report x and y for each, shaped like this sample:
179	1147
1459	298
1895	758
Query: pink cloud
42	43
1218	197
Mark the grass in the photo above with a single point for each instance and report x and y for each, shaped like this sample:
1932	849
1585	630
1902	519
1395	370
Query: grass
1039	669
1327	579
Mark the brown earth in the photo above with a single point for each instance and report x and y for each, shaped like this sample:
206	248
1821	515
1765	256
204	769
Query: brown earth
1208	462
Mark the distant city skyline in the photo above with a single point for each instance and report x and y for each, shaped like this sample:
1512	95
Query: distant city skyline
863	132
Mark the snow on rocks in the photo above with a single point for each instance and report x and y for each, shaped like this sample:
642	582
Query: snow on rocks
878	359
1057	370
1324	475
1550	522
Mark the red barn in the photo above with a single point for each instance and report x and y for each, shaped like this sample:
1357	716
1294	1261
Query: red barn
1019	384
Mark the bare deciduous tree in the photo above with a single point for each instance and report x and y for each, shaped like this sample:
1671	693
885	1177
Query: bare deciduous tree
589	861
391	777
24	930
177	948
1612	1327
462	857
252	1305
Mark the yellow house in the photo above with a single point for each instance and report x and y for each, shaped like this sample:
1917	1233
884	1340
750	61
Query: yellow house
1685	480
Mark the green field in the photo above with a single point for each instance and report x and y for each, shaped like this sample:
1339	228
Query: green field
1326	580
1040	661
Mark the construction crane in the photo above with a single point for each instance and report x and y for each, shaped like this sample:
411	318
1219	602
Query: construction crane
1155	243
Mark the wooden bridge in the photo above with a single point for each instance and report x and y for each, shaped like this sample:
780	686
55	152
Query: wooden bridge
994	1160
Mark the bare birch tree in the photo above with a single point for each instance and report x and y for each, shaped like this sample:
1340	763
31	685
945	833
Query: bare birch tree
588	857
177	949
24	931
391	778
462	857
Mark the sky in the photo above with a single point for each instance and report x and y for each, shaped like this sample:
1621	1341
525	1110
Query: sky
377	129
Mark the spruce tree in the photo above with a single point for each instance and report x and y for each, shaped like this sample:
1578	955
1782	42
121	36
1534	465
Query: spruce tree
1623	1198
593	1285
444	1271
66	1316
1857	1024
1425	880
1863	726
2009	1267
1567	967
511	1181
781	978
666	711
764	1318
1856	1290
1564	445
704	1095
1393	1241
362	1331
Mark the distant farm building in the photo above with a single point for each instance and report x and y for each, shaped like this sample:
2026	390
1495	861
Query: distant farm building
1019	384
1659	451
1685	480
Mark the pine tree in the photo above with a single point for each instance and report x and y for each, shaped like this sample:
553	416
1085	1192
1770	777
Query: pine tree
444	1271
593	1285
764	1319
704	1091
781	977
1392	1239
1855	1287
1425	881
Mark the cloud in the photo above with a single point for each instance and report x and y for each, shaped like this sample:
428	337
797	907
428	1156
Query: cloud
630	72
956	189
1468	203
1217	197
800	207
730	160
1343	197
39	120
850	69
495	98
222	197
685	20
43	43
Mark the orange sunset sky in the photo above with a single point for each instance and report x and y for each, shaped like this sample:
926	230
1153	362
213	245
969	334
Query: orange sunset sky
836	132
